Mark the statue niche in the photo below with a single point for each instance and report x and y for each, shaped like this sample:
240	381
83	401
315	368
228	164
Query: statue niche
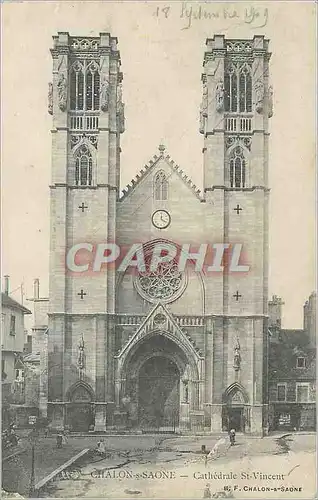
81	357
219	96
204	108
259	96
120	109
104	95
62	92
50	99
270	101
237	356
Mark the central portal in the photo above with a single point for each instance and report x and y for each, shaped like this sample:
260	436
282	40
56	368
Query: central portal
159	394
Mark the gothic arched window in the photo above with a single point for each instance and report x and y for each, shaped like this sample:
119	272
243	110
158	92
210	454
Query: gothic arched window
237	168
83	167
85	86
161	186
238	88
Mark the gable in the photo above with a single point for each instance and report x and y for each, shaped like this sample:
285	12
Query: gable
145	178
137	206
159	319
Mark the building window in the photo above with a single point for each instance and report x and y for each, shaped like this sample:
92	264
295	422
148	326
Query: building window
83	167
161	284
284	419
301	362
161	186
3	366
19	375
12	325
281	392
238	88
302	393
84	86
237	168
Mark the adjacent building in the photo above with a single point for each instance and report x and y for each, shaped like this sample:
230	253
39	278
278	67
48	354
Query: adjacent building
12	346
35	362
292	370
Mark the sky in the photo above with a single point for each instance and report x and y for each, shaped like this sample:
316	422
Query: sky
162	46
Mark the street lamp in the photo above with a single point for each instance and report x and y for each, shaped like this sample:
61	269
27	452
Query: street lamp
33	435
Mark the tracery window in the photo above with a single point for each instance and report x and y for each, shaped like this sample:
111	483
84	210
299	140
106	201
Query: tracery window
161	186
164	283
238	88
237	165
83	167
85	86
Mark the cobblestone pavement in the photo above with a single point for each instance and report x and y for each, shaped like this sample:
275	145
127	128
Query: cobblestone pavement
173	467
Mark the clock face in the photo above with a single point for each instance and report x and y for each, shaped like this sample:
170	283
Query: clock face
161	219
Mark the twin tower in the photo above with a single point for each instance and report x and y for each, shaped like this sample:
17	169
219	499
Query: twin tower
170	350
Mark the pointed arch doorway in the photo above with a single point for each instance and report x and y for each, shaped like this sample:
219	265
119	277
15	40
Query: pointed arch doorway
79	414
159	394
236	410
158	381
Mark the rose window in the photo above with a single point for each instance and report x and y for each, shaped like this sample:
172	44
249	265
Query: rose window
162	284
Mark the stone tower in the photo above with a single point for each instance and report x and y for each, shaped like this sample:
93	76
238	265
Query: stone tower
85	101
235	111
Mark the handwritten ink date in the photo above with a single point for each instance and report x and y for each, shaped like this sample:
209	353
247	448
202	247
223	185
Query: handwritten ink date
190	12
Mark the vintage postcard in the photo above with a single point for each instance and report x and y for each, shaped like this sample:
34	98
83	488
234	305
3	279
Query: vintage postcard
158	278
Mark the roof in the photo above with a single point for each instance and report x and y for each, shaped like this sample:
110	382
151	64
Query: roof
150	166
284	353
7	301
294	337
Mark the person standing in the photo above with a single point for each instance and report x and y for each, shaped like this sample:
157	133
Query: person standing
232	437
59	440
101	448
207	492
64	437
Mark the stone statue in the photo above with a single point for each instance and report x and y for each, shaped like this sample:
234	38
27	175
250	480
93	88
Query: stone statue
203	108
205	98
270	101
62	92
237	356
120	109
126	400
202	121
119	95
186	391
81	355
50	99
104	95
219	95
259	97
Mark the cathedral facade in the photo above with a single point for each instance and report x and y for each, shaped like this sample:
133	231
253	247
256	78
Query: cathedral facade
159	349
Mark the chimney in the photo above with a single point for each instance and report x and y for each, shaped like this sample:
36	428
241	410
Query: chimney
6	284
36	289
275	312
310	318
